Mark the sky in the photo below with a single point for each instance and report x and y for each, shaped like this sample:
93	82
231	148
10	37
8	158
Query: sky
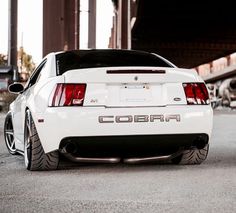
30	25
4	26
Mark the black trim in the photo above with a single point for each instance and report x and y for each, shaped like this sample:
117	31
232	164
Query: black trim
97	58
136	71
133	145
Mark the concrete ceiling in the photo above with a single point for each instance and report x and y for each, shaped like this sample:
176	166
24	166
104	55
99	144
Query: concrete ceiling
188	33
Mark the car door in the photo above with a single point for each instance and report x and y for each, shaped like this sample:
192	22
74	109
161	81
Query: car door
19	107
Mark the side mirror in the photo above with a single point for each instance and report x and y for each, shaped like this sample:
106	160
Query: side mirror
16	88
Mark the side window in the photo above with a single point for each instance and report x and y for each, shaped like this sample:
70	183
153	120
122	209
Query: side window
36	74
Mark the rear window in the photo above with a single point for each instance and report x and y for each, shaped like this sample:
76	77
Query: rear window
80	59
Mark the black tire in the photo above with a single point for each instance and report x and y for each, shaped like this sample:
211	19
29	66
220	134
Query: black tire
35	157
9	134
191	157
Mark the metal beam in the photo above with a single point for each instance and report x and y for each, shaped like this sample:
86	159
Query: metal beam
12	42
124	28
60	25
92	24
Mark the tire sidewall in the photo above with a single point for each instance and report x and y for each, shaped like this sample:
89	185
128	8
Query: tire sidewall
27	152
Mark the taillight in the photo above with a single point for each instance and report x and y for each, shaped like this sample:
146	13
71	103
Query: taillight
69	95
196	93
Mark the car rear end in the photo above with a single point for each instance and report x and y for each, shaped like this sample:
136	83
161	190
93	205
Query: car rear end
126	112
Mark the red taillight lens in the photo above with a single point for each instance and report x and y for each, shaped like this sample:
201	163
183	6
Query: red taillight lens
196	93
69	95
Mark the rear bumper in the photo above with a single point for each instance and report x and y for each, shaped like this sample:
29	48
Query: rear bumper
83	122
131	145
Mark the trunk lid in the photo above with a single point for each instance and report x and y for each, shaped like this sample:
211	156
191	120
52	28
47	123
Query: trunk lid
133	86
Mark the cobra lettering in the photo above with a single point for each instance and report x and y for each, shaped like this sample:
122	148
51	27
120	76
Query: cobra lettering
138	118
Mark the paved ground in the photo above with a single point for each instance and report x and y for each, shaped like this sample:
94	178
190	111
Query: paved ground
210	187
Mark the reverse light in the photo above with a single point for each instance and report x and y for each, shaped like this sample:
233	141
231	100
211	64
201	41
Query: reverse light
196	93
69	95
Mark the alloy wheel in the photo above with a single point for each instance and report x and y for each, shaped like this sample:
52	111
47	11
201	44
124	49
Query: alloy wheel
27	146
9	135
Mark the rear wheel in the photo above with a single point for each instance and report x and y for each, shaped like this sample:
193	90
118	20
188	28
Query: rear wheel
35	157
9	134
190	157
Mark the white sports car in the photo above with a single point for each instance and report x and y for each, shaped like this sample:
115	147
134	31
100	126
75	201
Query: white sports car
109	106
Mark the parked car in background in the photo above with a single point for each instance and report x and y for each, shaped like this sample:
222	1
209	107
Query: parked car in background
215	100
109	106
227	92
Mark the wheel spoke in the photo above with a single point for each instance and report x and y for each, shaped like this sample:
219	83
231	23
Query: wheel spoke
12	144
27	145
9	132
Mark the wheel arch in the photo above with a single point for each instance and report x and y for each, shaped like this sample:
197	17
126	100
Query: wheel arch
34	117
35	157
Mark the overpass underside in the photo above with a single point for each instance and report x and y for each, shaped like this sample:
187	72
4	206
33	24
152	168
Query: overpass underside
187	33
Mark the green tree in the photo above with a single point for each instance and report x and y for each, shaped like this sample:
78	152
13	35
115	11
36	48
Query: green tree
25	62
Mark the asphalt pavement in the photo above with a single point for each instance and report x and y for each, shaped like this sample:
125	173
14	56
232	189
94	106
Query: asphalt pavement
209	187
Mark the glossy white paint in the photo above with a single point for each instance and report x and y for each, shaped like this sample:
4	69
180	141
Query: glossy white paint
83	121
109	95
